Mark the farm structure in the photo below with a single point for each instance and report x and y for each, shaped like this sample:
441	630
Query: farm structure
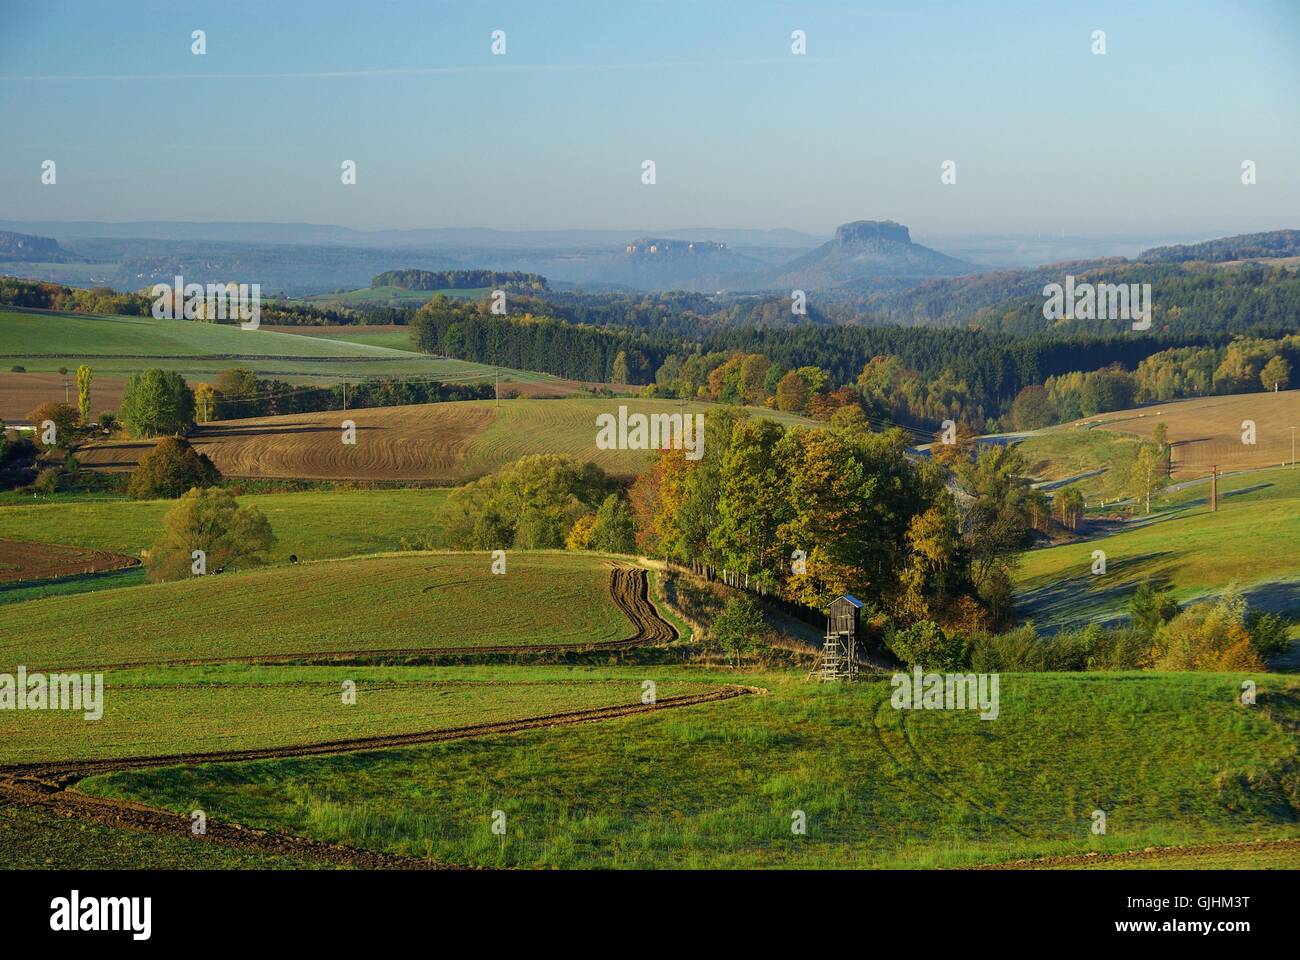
839	656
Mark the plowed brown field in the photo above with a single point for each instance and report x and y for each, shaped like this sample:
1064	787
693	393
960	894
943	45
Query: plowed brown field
27	560
21	393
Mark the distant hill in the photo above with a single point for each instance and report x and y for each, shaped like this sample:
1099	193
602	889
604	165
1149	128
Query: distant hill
25	248
990	297
1246	246
858	257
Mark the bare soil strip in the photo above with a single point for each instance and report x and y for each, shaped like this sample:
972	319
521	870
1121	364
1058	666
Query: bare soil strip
21	393
1149	853
629	588
46	786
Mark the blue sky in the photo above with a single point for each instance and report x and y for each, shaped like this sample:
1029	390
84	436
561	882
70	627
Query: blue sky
1047	137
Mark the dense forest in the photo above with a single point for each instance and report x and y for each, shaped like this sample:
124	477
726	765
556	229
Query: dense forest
916	377
1275	243
459	280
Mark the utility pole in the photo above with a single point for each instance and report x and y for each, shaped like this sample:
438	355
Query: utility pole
498	386
65	390
1293	448
345	395
1214	488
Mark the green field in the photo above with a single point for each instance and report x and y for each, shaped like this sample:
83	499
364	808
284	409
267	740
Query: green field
1253	540
1169	758
312	525
394	296
392	339
122	345
358	606
36	840
186	710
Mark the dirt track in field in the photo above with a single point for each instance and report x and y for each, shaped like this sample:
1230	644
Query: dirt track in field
629	588
1150	853
49	786
31	560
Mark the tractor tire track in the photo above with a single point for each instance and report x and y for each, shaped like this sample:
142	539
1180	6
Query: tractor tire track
629	589
934	783
938	778
48	786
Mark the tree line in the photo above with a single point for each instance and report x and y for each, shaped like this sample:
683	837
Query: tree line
459	279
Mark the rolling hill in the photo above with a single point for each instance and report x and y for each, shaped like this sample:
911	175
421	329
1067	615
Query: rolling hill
1208	431
442	443
1253	541
118	346
326	610
1170	759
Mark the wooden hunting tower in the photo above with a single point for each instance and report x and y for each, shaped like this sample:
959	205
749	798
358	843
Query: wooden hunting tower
839	659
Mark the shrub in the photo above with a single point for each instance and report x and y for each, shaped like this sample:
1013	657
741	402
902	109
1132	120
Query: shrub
17	368
738	628
1208	636
1269	632
1016	651
926	644
1123	649
62	416
1069	650
531	504
169	469
47	481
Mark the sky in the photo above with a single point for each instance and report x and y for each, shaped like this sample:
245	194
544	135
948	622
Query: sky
1046	136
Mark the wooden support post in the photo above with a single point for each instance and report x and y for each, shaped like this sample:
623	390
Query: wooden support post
1214	488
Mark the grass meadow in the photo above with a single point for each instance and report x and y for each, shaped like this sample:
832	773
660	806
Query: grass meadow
1253	540
1169	758
312	524
182	710
428	601
119	346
